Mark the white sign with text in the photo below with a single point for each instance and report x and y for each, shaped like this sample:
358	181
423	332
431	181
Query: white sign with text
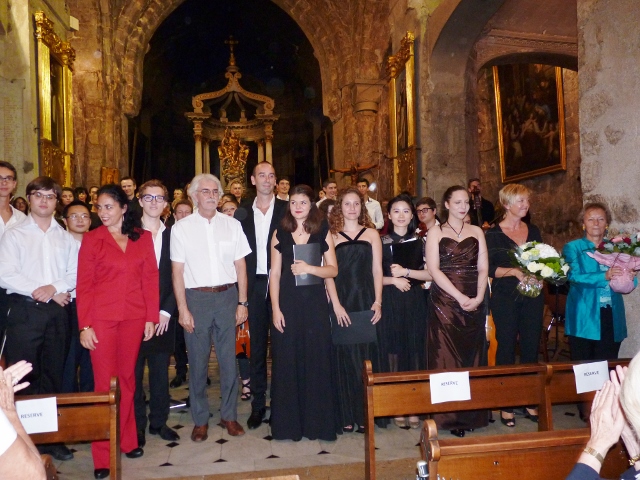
38	416
449	387
591	376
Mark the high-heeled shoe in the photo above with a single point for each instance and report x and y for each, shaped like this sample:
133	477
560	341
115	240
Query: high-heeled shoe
246	391
400	422
530	416
348	429
414	422
458	432
508	422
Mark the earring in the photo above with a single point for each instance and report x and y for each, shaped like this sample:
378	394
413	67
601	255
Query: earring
606	231
584	229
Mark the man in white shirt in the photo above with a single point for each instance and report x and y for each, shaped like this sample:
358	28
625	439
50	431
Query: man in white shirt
373	206
330	189
207	255
283	188
38	267
9	216
258	221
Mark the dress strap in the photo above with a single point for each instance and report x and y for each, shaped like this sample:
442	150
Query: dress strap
347	236
359	234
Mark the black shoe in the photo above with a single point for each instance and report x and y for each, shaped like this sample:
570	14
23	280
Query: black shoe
101	472
531	416
177	381
458	432
135	453
256	418
142	441
165	433
59	452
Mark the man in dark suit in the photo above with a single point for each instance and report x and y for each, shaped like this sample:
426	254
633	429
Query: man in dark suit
259	219
481	211
153	200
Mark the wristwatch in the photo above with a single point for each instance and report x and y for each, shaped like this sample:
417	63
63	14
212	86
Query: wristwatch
244	304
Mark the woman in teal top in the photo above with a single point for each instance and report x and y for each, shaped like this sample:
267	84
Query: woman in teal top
595	319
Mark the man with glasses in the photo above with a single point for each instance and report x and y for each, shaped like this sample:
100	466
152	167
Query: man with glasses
426	210
153	200
373	206
207	254
38	267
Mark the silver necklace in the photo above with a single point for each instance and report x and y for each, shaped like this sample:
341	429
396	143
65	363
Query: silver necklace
457	233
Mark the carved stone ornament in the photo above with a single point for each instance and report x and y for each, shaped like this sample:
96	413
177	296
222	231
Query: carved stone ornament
45	33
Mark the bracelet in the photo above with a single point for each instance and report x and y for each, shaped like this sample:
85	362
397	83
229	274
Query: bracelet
86	328
595	453
407	274
633	460
377	303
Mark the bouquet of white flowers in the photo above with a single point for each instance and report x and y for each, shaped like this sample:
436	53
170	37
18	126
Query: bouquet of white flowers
540	262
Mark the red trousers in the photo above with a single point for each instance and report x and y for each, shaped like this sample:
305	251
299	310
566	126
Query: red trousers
115	355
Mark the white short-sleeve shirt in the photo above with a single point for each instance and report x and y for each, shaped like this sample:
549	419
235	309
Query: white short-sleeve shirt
208	249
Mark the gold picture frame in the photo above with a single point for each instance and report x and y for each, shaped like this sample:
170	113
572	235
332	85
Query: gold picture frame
55	69
402	127
109	175
530	118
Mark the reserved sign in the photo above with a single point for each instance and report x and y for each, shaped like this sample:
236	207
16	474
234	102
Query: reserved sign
38	416
449	387
591	376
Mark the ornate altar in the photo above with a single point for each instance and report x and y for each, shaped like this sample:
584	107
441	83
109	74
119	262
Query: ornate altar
55	69
242	116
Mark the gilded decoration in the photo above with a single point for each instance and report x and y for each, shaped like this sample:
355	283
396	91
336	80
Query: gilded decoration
44	32
233	157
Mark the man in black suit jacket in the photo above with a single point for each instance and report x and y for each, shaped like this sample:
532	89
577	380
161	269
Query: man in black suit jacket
155	352
481	210
259	219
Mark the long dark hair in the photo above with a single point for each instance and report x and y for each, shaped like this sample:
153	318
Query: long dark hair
131	225
313	222
403	197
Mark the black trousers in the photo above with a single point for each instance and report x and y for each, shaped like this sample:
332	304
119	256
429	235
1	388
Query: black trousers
517	317
78	372
4	308
180	351
604	349
38	333
259	323
158	391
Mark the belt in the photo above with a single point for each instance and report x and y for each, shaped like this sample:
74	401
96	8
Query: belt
261	276
22	298
218	289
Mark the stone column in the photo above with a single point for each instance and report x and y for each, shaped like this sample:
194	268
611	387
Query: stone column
268	138
197	135
260	144
205	159
609	66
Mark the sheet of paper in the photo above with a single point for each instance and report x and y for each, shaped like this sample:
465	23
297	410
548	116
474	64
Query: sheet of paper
449	387
38	416
591	376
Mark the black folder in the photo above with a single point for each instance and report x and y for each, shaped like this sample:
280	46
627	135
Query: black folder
311	254
361	329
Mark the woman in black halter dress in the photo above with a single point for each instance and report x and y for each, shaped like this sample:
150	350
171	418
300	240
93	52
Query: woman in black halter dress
357	288
458	262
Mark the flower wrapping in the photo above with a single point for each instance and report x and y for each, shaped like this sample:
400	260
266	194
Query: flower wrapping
539	262
619	283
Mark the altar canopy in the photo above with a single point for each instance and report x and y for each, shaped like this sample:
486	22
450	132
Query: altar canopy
245	115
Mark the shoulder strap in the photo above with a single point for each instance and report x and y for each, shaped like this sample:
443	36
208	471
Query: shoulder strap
347	236
360	233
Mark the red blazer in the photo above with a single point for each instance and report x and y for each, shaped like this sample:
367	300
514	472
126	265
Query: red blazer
116	285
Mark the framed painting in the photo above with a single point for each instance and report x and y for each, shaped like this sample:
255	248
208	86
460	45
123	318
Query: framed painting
402	127
530	115
109	175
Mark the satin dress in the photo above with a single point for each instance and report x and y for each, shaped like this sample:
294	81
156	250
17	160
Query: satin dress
457	338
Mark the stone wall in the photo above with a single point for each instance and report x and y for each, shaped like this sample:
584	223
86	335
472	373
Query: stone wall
557	197
609	63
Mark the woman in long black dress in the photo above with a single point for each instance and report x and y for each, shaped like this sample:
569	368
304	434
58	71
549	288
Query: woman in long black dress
302	383
403	330
357	288
458	262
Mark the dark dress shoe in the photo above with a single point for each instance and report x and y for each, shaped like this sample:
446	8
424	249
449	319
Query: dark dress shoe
233	428
59	451
135	453
256	417
142	441
458	432
165	433
177	381
199	433
101	472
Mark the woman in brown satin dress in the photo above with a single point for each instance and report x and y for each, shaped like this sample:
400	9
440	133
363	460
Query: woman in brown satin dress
458	263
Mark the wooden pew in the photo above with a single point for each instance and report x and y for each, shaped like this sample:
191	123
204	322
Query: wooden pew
404	393
527	456
87	417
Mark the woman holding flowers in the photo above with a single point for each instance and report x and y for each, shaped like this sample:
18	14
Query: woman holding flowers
595	319
516	316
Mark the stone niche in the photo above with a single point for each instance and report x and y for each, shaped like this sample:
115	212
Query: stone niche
557	197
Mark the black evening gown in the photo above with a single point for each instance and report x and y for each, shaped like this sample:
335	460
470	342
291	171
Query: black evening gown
457	338
402	331
356	292
303	393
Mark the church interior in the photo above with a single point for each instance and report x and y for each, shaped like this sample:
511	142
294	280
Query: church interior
415	95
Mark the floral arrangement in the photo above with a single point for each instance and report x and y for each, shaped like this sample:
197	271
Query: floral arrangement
541	262
620	251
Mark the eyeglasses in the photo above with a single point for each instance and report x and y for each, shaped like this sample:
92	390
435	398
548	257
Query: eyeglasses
205	192
150	198
77	216
49	197
7	179
425	210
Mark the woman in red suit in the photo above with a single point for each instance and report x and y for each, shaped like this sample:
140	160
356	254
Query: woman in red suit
118	304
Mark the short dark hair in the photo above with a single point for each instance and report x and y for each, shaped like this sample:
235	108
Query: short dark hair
253	172
363	180
75	203
427	201
79	190
131	224
471	180
313	222
129	178
8	166
44	183
184	201
284	177
67	189
403	197
327	182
